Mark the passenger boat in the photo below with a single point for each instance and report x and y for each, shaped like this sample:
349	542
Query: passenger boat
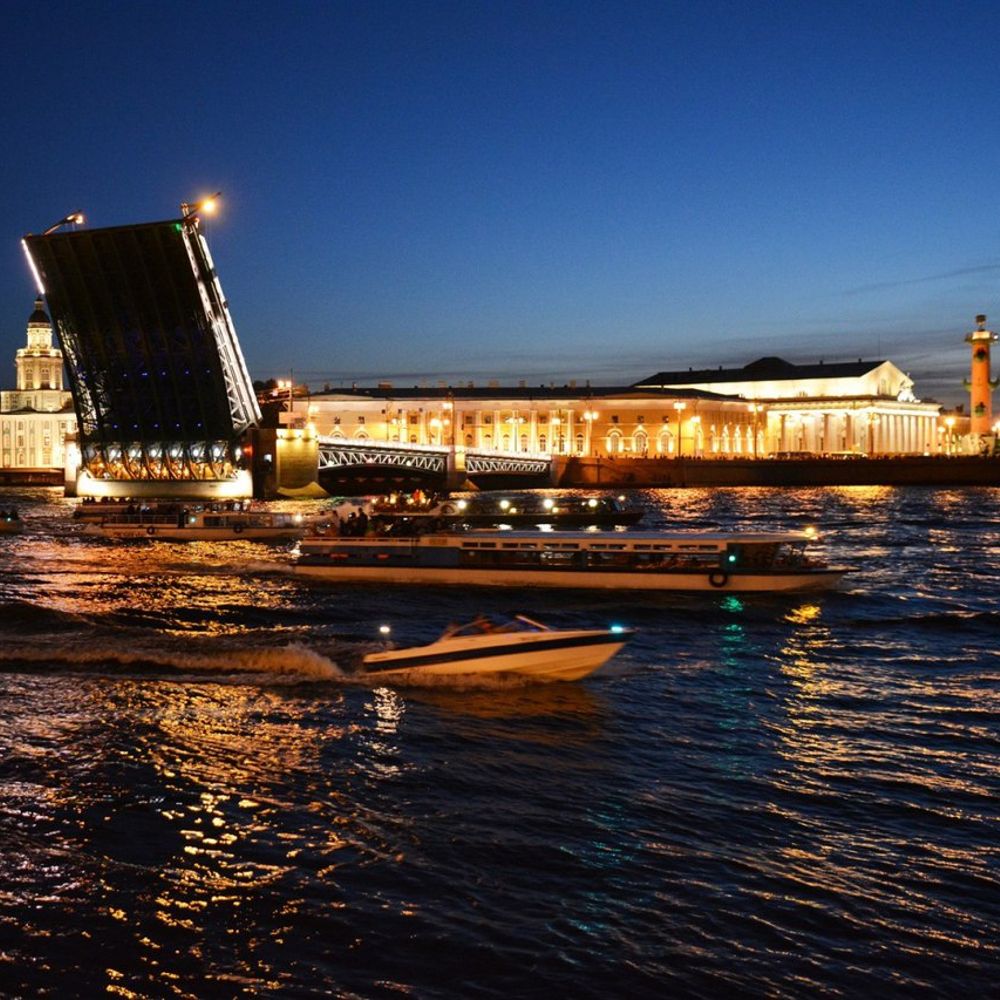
513	510
522	646
201	525
688	561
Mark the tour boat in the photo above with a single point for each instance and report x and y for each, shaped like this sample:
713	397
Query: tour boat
511	509
201	525
522	646
668	561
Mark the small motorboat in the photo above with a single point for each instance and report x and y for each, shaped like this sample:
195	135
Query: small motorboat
521	646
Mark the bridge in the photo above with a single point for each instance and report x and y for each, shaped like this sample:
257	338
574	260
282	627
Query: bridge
363	463
160	387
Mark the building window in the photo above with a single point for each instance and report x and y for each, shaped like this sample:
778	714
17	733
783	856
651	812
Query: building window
488	419
640	419
579	444
336	421
413	421
542	442
614	418
361	421
614	441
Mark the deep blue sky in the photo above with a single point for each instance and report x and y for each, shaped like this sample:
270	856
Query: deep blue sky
540	191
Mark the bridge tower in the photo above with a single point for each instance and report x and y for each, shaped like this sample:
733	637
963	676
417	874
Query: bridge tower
979	384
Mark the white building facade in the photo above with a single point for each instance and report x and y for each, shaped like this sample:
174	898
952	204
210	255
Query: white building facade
37	416
768	408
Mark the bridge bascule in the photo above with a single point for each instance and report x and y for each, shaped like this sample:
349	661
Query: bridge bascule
161	390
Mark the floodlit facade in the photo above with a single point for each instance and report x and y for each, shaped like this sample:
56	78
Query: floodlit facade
37	416
863	407
770	407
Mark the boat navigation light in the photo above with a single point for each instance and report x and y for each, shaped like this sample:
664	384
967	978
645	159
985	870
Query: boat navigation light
462	505
621	498
548	503
504	504
617	628
812	532
591	502
384	629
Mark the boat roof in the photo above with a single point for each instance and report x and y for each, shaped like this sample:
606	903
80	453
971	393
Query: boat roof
602	538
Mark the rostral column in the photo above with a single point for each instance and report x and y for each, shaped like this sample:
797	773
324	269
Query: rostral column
980	385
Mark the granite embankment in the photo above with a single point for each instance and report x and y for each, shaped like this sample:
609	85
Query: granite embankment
904	471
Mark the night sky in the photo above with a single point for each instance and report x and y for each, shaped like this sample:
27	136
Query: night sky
541	191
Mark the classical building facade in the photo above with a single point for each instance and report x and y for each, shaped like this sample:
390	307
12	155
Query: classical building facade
37	416
769	407
863	407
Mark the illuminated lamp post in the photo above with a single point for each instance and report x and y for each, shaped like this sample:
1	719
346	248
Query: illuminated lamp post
205	206
755	409
680	408
514	422
695	423
448	422
283	384
73	219
589	417
556	424
949	423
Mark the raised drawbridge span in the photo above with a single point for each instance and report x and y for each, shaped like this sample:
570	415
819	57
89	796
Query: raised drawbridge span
160	387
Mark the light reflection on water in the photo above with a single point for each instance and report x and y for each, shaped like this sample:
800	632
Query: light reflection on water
757	796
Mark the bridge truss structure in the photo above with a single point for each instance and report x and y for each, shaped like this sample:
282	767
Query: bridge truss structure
159	382
431	460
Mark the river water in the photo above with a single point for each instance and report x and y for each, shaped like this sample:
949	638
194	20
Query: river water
790	797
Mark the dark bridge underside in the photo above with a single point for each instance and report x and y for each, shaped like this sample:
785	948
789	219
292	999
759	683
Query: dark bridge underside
365	480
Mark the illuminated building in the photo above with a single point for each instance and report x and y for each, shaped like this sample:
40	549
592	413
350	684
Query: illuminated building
863	407
766	408
36	417
979	384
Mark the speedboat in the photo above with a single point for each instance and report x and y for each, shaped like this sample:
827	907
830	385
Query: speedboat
521	646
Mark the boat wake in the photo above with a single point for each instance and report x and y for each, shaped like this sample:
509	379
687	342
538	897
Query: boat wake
293	662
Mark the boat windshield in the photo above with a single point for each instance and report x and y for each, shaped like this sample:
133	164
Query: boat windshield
484	624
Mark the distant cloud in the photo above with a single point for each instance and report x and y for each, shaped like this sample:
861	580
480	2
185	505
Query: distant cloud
960	273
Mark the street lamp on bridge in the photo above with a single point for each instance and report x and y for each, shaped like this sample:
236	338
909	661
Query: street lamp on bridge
680	408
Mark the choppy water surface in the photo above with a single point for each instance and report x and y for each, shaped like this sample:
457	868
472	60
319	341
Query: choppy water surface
780	797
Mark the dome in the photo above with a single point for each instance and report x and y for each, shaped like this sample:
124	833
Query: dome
39	316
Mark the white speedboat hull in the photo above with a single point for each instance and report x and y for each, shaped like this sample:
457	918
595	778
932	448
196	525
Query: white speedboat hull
547	656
